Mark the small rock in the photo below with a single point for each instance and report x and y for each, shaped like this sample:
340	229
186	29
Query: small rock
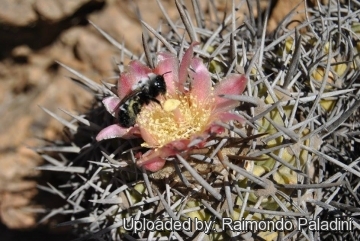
49	9
19	13
69	7
94	50
21	51
12	209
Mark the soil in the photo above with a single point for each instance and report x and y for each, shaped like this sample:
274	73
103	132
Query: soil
35	35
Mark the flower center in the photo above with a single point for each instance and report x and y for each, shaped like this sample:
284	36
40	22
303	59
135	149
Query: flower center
178	117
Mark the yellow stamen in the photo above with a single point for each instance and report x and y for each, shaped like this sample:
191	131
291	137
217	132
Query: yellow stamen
180	117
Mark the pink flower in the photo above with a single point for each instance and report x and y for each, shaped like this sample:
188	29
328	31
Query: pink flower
186	115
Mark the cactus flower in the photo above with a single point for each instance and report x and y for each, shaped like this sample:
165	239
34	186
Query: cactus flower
186	117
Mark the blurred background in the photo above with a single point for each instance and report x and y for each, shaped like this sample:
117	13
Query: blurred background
34	34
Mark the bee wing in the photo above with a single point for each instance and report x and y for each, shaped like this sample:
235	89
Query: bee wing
129	96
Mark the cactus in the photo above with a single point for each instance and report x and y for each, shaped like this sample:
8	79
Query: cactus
283	149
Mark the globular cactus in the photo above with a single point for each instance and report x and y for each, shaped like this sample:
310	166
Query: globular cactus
252	127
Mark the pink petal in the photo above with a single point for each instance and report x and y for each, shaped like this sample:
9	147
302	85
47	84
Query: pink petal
227	105
168	62
178	145
184	65
138	70
147	137
135	71
111	104
233	84
154	159
216	129
124	85
162	56
151	161
226	116
116	131
155	164
201	81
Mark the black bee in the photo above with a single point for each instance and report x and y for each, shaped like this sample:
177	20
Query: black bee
142	93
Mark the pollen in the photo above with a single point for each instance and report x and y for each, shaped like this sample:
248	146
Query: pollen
177	118
171	104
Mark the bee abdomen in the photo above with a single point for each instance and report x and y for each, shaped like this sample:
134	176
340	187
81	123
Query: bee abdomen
125	120
129	110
